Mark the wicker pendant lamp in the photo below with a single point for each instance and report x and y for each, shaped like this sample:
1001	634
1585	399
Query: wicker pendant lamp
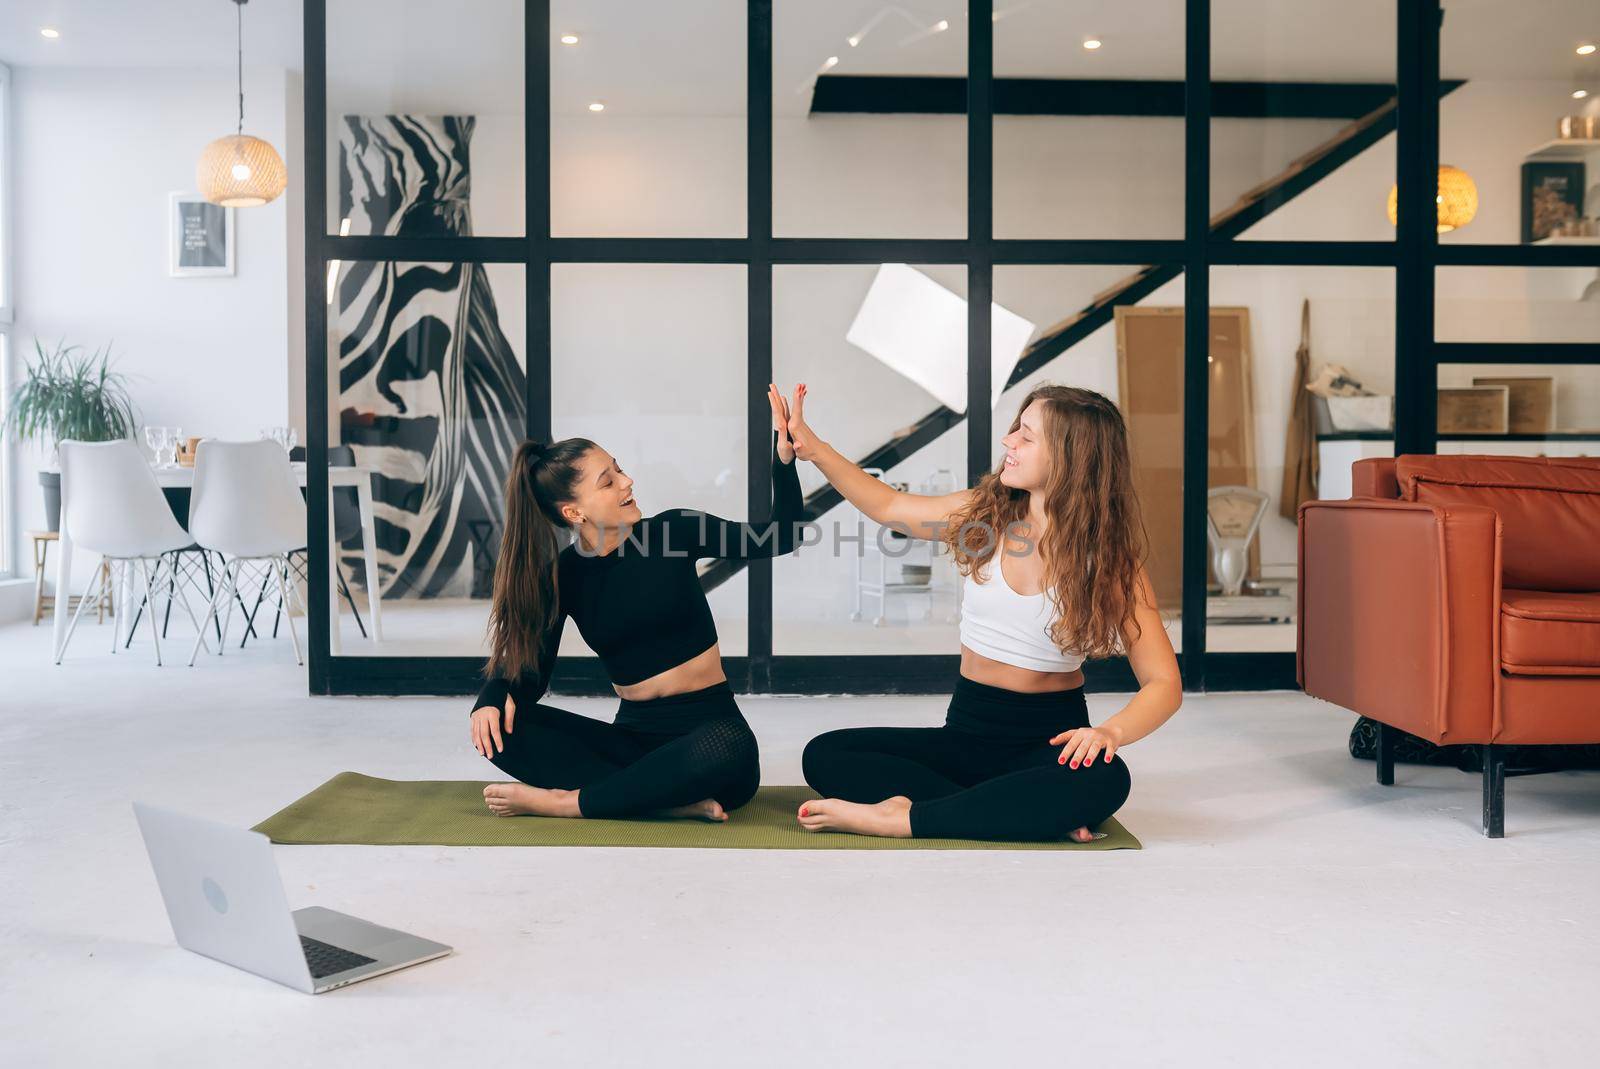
240	171
1457	199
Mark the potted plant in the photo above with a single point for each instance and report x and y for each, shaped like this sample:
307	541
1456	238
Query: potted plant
69	395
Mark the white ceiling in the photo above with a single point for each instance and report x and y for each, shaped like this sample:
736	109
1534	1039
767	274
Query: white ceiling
687	56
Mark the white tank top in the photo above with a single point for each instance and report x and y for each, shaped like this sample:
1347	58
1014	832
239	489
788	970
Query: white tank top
1009	627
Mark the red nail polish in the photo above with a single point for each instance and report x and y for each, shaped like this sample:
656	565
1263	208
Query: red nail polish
1074	764
1089	762
803	812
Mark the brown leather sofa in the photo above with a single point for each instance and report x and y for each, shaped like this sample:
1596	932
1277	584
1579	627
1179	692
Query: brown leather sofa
1458	598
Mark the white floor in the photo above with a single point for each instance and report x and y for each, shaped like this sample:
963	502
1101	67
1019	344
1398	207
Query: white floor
1285	911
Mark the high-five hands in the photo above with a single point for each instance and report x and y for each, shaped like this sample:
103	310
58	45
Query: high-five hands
486	737
800	437
780	420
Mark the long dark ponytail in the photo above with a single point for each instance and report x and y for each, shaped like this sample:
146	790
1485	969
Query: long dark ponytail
525	603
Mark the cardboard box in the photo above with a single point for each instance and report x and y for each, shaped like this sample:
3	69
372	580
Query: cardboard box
1533	401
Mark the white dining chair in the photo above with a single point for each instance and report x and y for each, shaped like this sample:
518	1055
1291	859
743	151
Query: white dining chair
247	506
111	504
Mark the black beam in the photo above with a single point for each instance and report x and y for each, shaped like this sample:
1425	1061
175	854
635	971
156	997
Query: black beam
1417	147
1517	352
980	235
1197	236
318	634
869	250
1519	255
1303	253
878	94
536	194
399	248
758	277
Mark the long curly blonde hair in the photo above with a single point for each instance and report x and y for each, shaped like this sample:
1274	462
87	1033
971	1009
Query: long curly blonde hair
1094	543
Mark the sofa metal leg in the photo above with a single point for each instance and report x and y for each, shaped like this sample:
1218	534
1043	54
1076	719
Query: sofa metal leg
1494	791
1385	753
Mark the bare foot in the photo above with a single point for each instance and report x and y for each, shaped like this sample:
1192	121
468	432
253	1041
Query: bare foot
705	809
890	817
1084	835
521	800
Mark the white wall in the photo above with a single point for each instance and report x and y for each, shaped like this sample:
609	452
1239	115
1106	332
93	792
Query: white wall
96	152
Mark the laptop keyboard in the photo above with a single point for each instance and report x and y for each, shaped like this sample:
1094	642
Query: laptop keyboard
326	959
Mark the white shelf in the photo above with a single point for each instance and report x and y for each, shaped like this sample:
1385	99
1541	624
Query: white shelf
1568	241
1565	148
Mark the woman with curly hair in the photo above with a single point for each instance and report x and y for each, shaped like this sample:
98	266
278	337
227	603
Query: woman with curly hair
1051	547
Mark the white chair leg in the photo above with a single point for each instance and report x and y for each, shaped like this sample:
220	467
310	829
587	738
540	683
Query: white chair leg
222	592
183	599
279	567
230	579
119	600
96	581
150	607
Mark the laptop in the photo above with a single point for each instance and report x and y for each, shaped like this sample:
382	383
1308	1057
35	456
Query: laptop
225	900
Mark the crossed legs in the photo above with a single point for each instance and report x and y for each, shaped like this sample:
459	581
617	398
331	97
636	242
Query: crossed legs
938	782
572	765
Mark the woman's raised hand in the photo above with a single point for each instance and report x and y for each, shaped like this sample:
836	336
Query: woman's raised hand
803	438
780	421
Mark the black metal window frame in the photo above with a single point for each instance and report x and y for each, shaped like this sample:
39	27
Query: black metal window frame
1414	255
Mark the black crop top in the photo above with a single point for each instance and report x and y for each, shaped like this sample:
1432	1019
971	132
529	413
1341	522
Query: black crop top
641	606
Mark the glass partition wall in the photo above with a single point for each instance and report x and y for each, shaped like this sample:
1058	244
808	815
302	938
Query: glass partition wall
556	218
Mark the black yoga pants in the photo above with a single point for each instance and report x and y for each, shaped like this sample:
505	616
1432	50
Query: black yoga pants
657	754
989	773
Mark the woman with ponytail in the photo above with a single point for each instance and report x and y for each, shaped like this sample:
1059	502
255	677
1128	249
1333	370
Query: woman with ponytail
679	745
1052	546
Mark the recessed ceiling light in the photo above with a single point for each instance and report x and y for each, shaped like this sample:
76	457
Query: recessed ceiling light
1091	43
830	62
1579	94
597	106
1586	50
49	33
853	40
569	38
941	26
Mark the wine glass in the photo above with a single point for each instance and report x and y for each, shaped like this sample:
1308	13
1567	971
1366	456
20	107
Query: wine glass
284	436
155	438
174	438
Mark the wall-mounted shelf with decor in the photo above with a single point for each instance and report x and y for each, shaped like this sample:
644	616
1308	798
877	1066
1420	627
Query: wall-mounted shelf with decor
1568	241
1566	148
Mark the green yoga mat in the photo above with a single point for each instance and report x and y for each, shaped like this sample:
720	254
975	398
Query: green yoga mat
352	808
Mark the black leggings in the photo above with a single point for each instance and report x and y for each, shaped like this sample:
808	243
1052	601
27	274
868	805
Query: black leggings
657	754
989	773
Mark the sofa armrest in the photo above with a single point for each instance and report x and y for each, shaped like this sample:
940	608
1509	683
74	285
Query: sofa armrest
1399	614
1374	477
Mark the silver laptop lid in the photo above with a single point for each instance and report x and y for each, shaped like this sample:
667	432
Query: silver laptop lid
223	894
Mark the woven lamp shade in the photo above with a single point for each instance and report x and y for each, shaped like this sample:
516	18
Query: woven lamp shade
240	171
1458	199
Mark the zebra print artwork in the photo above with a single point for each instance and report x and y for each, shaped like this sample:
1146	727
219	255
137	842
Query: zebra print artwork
430	391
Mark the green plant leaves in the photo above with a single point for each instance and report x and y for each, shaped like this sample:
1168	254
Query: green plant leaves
70	395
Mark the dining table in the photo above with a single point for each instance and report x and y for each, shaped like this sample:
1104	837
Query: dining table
180	477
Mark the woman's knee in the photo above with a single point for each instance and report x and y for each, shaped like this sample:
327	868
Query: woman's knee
1089	794
818	755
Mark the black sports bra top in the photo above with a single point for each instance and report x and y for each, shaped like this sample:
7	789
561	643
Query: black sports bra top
641	606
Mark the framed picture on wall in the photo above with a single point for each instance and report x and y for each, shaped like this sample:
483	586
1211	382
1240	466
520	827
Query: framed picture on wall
1552	198
199	237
